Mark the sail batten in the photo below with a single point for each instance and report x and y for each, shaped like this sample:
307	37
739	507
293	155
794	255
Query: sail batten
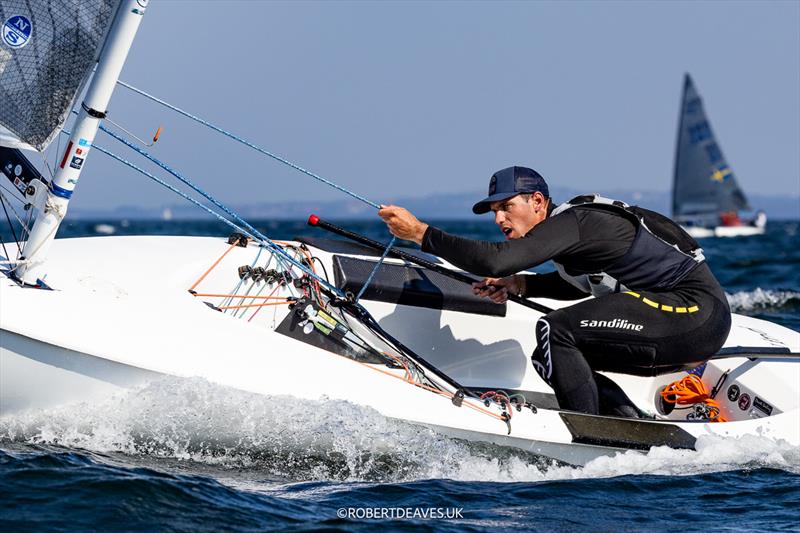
47	51
703	184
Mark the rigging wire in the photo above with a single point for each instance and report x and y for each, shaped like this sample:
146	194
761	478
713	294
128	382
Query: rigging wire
12	192
5	201
11	226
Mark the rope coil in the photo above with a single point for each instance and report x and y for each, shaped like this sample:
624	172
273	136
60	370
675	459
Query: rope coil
691	391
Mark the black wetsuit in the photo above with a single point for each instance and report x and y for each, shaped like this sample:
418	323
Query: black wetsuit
642	331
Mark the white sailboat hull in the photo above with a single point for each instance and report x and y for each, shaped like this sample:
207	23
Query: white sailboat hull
699	232
121	315
40	375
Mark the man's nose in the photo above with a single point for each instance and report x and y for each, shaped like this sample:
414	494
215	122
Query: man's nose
499	217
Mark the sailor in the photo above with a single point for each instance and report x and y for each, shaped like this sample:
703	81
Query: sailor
657	306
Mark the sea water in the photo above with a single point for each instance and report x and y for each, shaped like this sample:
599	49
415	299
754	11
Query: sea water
184	454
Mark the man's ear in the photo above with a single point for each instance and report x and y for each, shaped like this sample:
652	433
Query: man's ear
539	201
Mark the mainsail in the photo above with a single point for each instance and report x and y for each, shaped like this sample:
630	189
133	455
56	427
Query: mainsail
47	50
703	184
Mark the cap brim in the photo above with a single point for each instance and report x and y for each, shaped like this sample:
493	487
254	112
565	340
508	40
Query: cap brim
484	206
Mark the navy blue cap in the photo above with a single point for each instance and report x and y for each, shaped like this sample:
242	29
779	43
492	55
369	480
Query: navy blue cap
510	182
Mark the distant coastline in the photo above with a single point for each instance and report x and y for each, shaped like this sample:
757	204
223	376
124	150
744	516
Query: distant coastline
456	206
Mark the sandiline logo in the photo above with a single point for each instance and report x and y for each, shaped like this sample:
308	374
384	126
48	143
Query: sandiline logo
619	323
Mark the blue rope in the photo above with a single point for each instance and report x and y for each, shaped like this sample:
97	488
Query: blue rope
171	188
253	234
248	144
229	300
269	154
261	237
375	270
260	150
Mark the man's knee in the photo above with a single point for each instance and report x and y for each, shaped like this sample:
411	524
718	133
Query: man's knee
552	331
562	366
542	357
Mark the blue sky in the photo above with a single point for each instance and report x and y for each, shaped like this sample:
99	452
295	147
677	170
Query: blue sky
412	98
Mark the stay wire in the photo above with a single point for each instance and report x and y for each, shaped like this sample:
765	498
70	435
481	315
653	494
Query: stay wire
13	194
5	251
10	226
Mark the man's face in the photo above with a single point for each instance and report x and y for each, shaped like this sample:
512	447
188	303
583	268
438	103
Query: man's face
518	215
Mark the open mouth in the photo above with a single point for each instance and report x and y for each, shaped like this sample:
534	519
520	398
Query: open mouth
507	231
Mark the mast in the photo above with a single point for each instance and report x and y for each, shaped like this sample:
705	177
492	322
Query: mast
93	110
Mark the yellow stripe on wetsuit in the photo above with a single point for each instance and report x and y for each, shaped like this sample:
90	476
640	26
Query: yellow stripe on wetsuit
663	307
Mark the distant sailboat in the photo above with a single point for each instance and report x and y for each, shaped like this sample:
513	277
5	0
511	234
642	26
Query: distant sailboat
706	199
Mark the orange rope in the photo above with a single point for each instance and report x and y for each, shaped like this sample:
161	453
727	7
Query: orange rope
212	267
468	404
252	305
278	286
239	296
310	260
689	391
408	380
403	363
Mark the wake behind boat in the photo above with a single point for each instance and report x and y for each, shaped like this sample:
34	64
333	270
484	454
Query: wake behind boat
706	198
394	330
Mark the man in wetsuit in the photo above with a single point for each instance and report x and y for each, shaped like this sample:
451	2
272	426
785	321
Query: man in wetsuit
658	307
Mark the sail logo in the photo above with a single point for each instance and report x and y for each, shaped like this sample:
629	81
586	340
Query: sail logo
17	31
618	323
721	174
